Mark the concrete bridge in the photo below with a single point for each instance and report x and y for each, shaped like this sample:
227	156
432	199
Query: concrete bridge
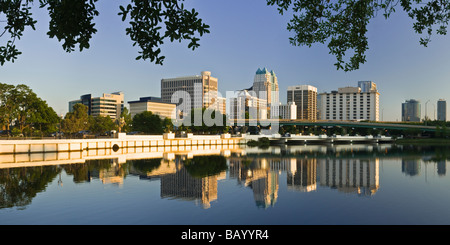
319	139
331	123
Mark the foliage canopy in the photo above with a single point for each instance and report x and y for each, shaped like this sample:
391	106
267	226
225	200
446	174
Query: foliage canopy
343	23
72	23
340	23
23	110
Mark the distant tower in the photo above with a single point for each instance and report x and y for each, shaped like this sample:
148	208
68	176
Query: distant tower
411	111
367	86
442	110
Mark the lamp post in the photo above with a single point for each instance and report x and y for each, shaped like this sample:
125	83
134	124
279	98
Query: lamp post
434	111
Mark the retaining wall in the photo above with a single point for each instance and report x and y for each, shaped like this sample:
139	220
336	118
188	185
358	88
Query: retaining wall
116	143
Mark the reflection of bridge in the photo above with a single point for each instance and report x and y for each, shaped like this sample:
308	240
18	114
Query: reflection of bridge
330	123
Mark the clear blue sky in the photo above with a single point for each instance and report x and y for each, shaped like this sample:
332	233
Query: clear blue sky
245	35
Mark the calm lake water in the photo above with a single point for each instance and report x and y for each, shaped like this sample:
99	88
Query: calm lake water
289	185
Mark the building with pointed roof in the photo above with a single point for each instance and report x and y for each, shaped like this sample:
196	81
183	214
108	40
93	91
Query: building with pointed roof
265	85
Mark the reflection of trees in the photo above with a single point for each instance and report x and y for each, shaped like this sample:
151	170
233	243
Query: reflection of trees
146	165
84	171
203	166
18	186
441	154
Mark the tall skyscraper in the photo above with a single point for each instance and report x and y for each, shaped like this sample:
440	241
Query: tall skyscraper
442	110
265	85
106	105
349	103
411	111
199	91
305	97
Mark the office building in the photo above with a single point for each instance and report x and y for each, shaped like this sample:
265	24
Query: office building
348	104
442	110
222	105
106	105
198	91
153	104
246	105
287	111
411	111
305	97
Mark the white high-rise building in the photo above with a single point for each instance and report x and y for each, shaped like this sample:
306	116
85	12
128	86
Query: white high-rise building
246	105
199	91
205	83
286	111
348	104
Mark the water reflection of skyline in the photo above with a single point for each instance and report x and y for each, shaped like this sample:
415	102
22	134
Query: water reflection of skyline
177	183
345	168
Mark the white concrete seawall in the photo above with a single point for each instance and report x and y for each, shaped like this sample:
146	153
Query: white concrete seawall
120	141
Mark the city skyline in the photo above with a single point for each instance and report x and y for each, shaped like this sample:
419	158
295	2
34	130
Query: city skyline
241	41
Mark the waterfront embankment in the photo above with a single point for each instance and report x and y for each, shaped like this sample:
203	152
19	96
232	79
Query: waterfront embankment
124	141
119	141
